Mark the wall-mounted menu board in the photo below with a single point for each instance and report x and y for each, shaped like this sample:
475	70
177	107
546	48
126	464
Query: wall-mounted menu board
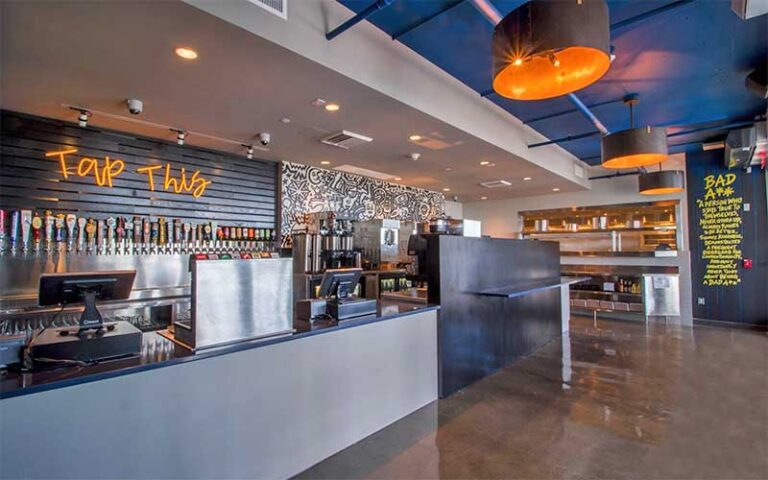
727	224
720	232
53	165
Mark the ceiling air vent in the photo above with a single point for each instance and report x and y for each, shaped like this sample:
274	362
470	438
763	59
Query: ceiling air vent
495	184
346	140
277	7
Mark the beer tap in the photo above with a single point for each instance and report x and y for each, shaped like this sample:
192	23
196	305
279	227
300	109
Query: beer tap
128	236
154	231
207	235
138	232
101	238
120	235
81	225
110	224
49	222
194	241
161	234
71	221
185	243
3	219
37	224
15	226
90	231
61	231
177	235
26	223
146	231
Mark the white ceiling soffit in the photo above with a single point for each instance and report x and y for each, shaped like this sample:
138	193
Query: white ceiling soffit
369	56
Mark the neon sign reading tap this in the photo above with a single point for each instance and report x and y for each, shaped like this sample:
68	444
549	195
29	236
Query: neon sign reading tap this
110	168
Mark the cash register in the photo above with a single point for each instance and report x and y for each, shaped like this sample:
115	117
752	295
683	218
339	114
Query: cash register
335	297
93	340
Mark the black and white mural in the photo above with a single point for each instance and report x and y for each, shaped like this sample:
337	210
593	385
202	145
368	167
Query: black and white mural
308	189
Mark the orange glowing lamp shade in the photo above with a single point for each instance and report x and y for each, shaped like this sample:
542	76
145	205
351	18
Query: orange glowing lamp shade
662	182
545	49
634	147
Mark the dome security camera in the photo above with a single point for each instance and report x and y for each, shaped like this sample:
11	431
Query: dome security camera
135	106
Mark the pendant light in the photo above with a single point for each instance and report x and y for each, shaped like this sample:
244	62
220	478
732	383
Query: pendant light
635	147
545	49
662	182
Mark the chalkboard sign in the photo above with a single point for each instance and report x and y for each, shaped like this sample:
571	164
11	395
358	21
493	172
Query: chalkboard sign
727	222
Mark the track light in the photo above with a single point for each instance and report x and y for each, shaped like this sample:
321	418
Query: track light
249	151
82	118
181	135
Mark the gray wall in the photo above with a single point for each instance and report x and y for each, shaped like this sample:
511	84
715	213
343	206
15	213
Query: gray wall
269	412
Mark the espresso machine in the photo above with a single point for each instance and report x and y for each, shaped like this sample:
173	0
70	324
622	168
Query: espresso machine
323	241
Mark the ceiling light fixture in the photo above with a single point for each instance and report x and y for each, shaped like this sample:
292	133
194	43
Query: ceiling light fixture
555	189
414	138
397	179
186	53
325	162
82	117
527	178
446	189
485	162
545	49
248	151
181	135
483	198
332	107
634	147
661	182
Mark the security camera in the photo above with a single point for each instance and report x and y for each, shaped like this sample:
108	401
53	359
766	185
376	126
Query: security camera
135	106
265	138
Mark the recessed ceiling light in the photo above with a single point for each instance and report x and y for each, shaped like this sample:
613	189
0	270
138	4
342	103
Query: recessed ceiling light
448	169
555	189
332	107
397	179
325	162
527	178
483	198
186	53
414	138
446	189
485	162
285	120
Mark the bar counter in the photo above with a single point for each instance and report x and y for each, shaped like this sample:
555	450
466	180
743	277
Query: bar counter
262	409
158	352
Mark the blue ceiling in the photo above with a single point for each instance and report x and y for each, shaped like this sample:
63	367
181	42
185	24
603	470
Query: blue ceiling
687	63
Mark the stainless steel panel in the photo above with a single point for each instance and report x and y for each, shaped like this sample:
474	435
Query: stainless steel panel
661	294
21	273
236	300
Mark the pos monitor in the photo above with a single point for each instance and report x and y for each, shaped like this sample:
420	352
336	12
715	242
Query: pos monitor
339	283
85	288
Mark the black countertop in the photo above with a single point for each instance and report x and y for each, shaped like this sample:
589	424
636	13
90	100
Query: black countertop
159	352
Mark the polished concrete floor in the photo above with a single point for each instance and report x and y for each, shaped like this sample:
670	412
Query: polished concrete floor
612	400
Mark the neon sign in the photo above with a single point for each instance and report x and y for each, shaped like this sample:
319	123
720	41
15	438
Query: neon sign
105	171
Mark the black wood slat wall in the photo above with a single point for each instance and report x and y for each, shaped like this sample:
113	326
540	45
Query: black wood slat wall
242	192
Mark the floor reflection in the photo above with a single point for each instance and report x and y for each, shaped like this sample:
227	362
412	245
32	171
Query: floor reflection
609	400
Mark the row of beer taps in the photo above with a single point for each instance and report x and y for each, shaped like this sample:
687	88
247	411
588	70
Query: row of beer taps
60	233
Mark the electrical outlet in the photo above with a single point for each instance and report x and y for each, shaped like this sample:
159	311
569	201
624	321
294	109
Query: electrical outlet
702	301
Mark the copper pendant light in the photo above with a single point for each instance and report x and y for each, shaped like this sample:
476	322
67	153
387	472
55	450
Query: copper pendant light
662	182
635	147
545	49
